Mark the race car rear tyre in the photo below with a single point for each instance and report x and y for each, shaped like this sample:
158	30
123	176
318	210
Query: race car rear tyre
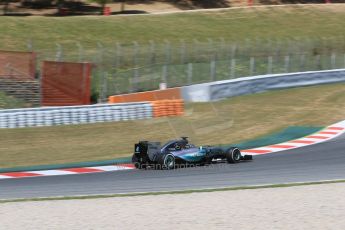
208	160
136	162
233	155
166	161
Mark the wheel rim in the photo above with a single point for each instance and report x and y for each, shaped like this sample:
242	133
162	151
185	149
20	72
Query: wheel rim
236	155
169	161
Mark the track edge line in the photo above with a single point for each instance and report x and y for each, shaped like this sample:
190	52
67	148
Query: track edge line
174	192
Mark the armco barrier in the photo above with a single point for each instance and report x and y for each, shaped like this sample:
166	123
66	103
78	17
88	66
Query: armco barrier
248	85
67	115
165	94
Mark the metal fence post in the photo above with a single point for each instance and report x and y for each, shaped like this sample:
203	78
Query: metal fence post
222	49
103	92
252	66
233	68
135	68
190	73
165	74
40	80
100	67
116	59
118	56
166	63
333	60
58	56
182	51
287	63
269	64
29	45
152	58
213	68
212	59
232	57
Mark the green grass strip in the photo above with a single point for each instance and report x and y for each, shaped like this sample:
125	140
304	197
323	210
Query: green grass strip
290	133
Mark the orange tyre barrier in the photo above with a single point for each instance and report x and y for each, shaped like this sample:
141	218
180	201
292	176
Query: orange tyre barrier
167	102
164	108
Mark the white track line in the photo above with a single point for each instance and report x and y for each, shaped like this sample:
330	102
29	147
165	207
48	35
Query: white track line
323	135
52	172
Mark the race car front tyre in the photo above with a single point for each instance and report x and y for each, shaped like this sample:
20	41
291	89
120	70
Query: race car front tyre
166	161
233	155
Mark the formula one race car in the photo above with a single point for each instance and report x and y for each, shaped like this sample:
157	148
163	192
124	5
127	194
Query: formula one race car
176	153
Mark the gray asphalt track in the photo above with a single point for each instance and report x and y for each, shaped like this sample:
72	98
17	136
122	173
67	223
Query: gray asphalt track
325	161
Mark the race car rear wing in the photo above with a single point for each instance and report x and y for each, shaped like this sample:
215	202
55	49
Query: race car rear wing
147	149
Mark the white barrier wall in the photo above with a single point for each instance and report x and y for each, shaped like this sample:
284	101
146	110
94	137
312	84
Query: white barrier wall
66	115
248	85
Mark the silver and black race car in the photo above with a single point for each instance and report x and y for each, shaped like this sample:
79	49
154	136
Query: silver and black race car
177	153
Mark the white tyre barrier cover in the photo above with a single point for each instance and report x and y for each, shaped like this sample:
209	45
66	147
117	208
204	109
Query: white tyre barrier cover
49	116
